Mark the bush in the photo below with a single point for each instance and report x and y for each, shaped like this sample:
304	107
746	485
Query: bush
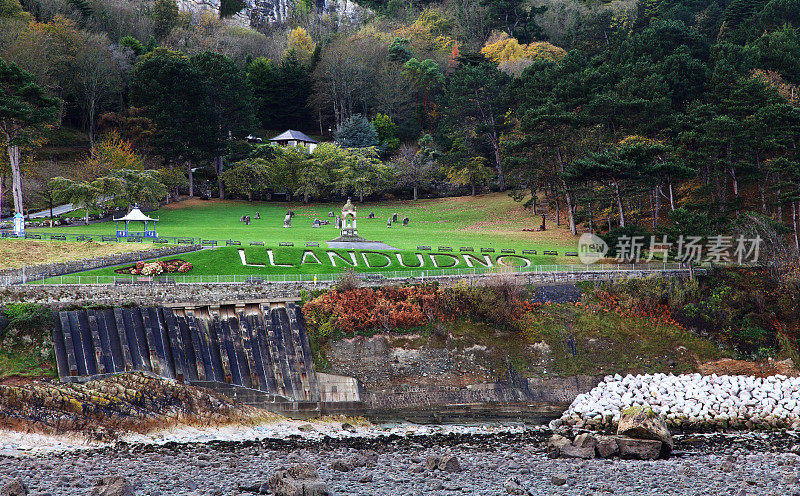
27	316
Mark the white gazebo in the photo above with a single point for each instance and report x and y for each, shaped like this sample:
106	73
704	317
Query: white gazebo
136	215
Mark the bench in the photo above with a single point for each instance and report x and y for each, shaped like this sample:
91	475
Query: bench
134	240
445	248
254	280
549	252
62	237
373	277
487	250
466	248
83	238
231	242
428	248
112	239
314	244
32	236
256	243
507	250
160	240
529	252
123	281
285	243
570	253
186	241
208	242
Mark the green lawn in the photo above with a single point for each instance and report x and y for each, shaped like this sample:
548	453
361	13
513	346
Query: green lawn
487	221
297	260
492	220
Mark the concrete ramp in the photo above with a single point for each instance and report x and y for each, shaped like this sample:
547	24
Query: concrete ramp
260	345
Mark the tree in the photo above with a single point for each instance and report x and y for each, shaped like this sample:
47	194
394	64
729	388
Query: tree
111	153
97	76
400	51
231	100
281	93
85	194
315	175
12	9
362	173
515	18
165	17
24	109
176	96
248	177
356	132
464	170
387	133
173	180
300	44
414	168
128	187
475	102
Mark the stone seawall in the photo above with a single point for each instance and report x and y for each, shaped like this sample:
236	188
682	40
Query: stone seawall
154	293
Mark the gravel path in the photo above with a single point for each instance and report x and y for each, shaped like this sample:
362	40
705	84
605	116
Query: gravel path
743	465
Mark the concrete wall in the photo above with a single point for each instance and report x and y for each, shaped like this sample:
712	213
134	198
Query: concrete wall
338	388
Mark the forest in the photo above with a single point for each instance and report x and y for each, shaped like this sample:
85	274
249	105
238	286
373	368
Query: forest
625	116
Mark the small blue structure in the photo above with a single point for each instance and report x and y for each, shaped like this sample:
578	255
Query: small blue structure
136	215
19	224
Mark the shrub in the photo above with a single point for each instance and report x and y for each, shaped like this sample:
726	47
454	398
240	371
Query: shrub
27	316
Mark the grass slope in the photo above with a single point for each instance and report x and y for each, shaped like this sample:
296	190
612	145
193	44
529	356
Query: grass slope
15	252
492	220
287	260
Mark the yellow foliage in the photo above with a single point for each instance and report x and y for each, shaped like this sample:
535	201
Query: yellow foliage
301	43
501	48
112	152
427	32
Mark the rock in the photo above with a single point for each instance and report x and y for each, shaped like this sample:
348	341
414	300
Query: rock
570	451
607	446
306	428
558	479
14	487
298	480
449	463
348	427
643	423
639	449
585	440
112	486
341	466
417	469
366	479
432	462
514	486
557	441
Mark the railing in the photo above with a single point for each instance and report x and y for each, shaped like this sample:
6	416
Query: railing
535	270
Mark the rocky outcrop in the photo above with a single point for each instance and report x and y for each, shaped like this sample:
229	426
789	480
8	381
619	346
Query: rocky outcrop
263	12
112	486
299	480
102	409
14	487
643	423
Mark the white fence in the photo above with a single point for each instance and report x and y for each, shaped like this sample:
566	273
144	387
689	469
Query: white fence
619	270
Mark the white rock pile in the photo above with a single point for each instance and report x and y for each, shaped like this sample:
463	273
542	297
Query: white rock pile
692	401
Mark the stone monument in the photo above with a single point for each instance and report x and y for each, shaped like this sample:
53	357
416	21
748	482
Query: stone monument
349	238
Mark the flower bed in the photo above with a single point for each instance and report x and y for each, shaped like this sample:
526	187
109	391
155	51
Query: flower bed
174	266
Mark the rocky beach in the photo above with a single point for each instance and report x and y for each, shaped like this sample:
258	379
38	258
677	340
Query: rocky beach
404	462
